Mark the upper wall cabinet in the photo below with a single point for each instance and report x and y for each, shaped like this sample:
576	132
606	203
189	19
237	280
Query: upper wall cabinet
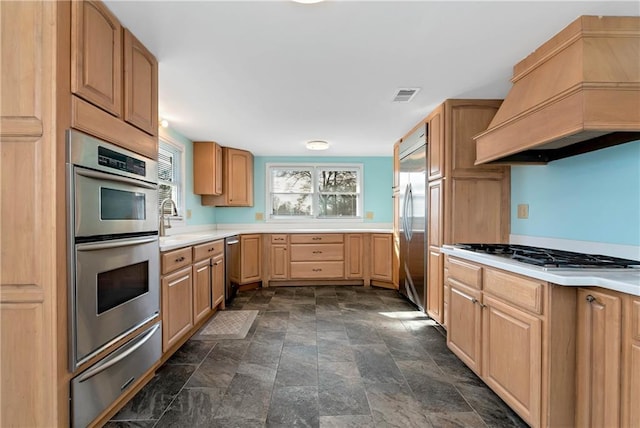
237	180
114	80
96	56
207	168
140	85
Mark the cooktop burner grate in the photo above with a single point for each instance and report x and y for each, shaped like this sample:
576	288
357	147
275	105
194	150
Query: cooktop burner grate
547	257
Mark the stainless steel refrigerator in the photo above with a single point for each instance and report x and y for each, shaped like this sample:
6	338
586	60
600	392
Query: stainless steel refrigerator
413	216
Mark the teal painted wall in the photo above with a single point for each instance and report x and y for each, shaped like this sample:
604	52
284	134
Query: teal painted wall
378	179
199	214
590	197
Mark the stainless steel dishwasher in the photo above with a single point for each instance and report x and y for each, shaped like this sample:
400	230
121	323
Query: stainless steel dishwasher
231	266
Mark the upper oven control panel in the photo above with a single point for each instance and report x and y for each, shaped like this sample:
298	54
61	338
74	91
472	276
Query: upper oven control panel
120	161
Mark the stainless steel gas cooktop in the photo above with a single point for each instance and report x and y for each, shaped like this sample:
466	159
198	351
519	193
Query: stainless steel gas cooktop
550	258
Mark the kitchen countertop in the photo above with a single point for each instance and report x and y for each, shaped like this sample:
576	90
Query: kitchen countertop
180	240
623	280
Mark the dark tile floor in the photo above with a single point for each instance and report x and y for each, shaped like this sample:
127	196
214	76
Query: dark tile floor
321	356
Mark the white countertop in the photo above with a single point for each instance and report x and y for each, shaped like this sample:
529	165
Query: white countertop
624	280
193	238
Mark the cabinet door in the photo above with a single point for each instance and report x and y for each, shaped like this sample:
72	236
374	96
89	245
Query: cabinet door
140	85
239	177
479	210
96	55
435	143
464	329
250	258
279	261
435	285
201	290
354	257
512	357
381	262
598	345
435	213
177	306
207	168
217	281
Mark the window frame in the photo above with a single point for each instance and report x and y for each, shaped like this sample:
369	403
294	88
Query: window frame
178	147
315	167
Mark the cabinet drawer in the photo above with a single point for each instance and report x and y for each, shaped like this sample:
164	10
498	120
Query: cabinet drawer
279	239
523	292
172	260
310	252
301	270
313	238
210	249
467	273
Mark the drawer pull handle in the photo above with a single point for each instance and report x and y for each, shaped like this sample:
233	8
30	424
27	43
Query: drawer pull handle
590	298
317	252
316	270
180	259
279	239
217	263
316	238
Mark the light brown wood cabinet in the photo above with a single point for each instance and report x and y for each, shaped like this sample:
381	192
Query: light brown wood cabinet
237	180
362	257
140	85
381	263
598	341
354	255
279	255
316	256
518	335
249	268
177	306
202	276
465	203
631	363
207	168
206	281
114	80
96	56
49	70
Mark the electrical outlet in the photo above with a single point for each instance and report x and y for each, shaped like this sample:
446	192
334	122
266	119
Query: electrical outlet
259	216
369	215
523	211
188	214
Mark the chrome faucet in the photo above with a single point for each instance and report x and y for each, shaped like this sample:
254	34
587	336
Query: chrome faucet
163	227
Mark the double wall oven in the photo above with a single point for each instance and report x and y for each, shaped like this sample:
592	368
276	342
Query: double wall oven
114	284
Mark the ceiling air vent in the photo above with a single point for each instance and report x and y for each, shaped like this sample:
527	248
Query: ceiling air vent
404	95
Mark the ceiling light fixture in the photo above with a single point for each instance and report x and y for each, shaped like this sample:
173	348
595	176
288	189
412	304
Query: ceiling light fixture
317	145
164	123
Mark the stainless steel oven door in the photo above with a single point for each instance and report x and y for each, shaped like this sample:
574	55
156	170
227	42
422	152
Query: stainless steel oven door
109	204
116	285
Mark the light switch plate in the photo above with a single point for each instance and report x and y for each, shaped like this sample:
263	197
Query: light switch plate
188	214
369	215
523	211
259	216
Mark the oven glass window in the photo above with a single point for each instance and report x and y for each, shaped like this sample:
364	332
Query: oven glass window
121	285
121	205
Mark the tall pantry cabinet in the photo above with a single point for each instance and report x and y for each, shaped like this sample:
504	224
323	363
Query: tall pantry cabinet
64	65
465	202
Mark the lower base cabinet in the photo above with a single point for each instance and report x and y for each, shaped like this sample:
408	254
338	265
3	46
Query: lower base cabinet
177	306
518	335
192	287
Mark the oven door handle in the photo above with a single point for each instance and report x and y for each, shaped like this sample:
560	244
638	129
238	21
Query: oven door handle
111	177
113	244
114	359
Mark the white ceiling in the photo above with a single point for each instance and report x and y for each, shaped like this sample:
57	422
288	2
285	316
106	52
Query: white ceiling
269	75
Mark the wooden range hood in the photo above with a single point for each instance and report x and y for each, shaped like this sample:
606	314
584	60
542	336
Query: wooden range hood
578	92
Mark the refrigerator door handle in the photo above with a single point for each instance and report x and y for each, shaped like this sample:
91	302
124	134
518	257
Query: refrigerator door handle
409	213
404	212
